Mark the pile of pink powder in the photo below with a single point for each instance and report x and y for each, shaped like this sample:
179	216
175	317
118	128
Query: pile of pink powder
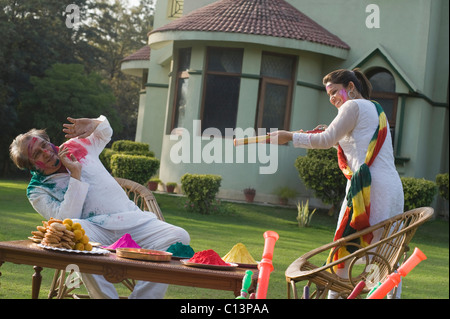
123	242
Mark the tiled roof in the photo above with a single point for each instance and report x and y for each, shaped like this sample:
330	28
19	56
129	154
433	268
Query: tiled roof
275	18
141	54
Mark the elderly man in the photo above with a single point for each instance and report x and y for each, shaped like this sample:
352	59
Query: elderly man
70	182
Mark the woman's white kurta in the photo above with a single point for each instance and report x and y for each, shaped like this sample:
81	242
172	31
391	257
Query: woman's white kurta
353	129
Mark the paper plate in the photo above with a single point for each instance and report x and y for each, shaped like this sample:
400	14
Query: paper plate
94	251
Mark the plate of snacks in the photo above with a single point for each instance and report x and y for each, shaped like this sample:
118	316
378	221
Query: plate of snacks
65	236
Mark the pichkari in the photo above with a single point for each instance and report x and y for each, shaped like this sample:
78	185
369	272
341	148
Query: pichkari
211	147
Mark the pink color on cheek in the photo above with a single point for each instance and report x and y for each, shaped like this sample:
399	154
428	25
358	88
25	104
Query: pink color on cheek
40	165
343	94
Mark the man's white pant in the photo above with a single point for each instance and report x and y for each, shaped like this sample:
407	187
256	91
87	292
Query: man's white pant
154	234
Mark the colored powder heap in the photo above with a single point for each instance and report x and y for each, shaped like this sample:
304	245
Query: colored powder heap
124	242
180	250
239	254
208	257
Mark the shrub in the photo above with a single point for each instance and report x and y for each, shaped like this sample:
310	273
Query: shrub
129	146
137	168
155	179
319	171
124	147
442	184
200	191
132	148
418	192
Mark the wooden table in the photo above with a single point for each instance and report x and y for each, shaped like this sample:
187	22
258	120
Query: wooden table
116	269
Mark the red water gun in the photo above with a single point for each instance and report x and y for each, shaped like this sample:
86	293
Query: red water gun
394	279
265	266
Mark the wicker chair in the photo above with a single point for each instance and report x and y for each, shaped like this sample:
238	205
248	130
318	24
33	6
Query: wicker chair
371	264
145	200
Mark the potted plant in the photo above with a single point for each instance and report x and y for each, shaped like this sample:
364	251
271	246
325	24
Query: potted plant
284	193
170	187
249	194
153	183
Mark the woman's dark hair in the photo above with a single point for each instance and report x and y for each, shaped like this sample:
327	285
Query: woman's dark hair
344	77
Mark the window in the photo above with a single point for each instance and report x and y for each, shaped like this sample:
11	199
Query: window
175	8
275	91
383	86
221	88
181	85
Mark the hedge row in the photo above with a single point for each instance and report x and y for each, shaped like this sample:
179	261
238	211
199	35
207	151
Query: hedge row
130	160
137	168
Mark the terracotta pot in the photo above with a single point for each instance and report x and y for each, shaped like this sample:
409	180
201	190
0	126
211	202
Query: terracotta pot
249	197
170	189
153	186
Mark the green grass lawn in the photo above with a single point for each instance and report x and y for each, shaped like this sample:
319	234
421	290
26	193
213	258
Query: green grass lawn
243	223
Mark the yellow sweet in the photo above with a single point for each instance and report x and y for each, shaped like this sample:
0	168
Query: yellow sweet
239	254
76	226
78	234
88	247
79	246
68	221
84	239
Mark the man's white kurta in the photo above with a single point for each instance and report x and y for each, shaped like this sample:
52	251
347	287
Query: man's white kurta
97	198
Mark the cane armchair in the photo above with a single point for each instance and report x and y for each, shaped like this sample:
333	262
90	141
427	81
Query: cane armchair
371	264
146	201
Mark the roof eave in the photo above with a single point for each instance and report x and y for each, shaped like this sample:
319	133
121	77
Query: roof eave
160	39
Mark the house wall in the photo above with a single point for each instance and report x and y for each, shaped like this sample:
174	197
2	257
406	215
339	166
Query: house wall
412	33
275	157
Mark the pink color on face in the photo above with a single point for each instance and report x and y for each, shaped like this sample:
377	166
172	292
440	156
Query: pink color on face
40	165
30	146
77	150
344	95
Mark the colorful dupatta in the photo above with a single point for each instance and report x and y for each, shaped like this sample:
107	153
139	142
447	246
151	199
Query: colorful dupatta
357	213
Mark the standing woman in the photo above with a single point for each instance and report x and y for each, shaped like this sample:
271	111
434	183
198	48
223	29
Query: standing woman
360	132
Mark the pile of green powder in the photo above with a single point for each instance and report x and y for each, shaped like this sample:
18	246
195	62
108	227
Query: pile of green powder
180	250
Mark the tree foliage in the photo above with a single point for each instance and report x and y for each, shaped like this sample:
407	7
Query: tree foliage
35	37
66	89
